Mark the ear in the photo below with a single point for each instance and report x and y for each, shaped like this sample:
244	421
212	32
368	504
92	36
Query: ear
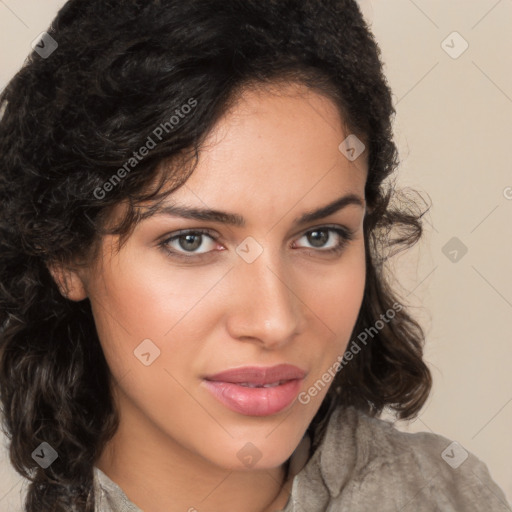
70	282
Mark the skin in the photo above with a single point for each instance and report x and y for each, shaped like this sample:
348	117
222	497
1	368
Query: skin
270	159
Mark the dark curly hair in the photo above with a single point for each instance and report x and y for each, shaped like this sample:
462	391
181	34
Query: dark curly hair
69	122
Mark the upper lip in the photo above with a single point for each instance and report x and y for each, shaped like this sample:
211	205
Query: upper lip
259	375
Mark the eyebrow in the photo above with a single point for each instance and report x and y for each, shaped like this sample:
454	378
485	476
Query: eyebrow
234	219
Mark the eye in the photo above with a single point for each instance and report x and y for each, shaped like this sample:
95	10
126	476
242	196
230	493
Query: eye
188	242
319	238
185	244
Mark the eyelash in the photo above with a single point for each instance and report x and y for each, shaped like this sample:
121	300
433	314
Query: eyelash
345	235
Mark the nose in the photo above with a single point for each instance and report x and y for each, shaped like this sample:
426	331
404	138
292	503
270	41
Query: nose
264	307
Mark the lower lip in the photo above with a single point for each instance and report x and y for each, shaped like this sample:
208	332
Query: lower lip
254	401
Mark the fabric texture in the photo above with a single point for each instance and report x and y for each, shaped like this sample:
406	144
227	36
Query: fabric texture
365	464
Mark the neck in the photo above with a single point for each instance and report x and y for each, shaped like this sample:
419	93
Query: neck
157	473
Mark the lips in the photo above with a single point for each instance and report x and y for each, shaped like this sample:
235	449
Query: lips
256	391
259	376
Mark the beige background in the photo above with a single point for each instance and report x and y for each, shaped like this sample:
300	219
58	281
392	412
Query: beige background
452	126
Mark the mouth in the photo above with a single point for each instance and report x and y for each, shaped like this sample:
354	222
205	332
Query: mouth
256	391
251	385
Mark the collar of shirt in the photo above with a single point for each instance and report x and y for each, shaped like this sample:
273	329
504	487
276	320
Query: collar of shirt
363	463
320	475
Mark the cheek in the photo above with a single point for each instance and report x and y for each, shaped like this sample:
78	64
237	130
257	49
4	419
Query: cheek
151	319
339	296
144	297
338	304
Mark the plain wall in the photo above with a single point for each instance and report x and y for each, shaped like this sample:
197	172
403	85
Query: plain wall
452	126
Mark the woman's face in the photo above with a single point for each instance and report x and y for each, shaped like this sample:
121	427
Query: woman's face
171	312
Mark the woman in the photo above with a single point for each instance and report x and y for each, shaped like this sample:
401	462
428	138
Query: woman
195	306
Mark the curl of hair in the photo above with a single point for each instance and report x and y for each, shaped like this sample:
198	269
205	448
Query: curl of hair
71	121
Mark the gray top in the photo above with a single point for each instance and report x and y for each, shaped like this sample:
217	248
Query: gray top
364	464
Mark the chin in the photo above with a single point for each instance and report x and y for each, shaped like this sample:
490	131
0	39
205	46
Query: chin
256	452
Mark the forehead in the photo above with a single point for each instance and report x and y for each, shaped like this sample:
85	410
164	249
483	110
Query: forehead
275	146
276	150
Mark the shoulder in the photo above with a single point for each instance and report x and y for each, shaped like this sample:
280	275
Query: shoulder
408	470
109	497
